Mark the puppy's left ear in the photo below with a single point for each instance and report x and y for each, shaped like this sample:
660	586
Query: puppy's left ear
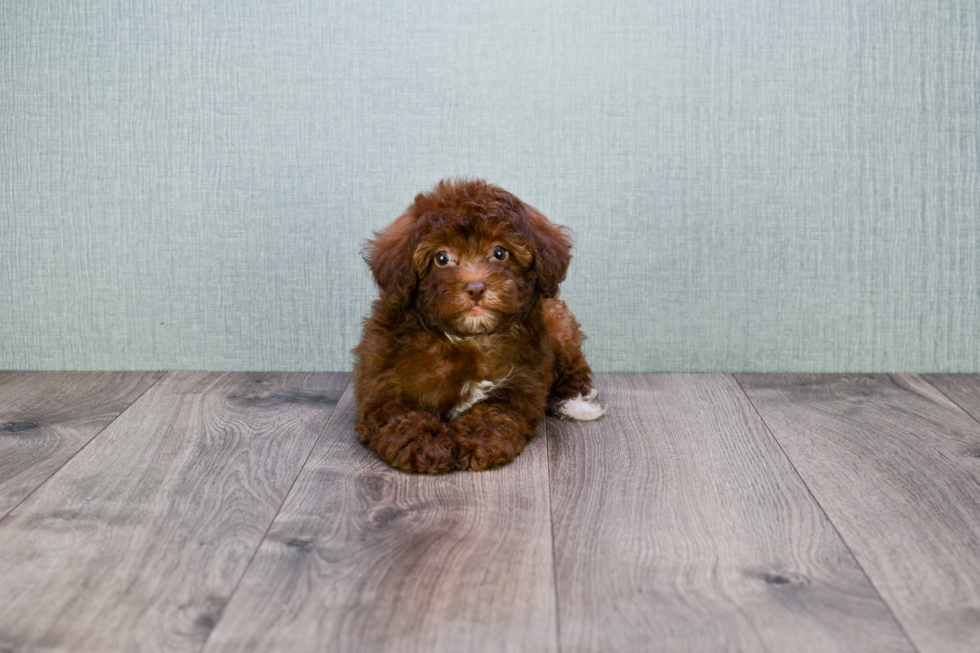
552	251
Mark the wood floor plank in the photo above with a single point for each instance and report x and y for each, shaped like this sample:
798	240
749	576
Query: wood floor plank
46	417
894	464
963	389
366	558
680	525
139	540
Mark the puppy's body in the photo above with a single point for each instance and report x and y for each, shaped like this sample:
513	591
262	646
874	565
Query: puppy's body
466	347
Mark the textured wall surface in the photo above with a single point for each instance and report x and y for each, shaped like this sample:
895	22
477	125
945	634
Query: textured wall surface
754	185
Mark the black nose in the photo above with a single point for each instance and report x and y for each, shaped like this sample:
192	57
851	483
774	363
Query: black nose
475	289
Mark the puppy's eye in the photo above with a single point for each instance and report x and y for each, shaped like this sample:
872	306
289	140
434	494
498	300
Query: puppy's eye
442	259
499	253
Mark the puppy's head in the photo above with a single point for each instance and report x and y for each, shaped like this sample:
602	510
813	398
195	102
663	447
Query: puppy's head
469	256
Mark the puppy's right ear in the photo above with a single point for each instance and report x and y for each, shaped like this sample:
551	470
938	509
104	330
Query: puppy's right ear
389	255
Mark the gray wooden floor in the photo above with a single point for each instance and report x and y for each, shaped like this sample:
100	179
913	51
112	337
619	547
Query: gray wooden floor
219	511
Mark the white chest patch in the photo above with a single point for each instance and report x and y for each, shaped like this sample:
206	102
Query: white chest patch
473	392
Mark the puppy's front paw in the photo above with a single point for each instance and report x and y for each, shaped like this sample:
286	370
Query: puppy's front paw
487	438
415	442
478	454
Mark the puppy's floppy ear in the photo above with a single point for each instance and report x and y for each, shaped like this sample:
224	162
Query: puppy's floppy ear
552	251
389	255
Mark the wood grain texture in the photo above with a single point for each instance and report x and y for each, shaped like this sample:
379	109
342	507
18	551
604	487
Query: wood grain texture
366	558
46	417
894	463
963	389
139	540
679	525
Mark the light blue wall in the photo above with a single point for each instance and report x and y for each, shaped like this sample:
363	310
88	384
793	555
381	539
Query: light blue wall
755	185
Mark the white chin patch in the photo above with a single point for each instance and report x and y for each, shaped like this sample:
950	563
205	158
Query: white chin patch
581	409
475	324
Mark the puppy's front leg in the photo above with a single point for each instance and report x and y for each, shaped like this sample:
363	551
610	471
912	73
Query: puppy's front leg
408	439
491	433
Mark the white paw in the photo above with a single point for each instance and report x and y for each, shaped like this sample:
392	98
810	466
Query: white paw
582	409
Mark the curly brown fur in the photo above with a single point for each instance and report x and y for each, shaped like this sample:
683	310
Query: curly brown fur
466	346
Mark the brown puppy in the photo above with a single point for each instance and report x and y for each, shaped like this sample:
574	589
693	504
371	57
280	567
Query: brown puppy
466	346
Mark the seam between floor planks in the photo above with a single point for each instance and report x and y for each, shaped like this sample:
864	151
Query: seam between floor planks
551	528
928	378
820	505
238	585
163	375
